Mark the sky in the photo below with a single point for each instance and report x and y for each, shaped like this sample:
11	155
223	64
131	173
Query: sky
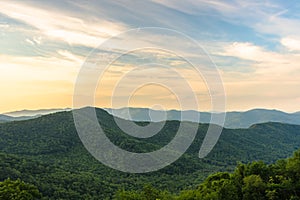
250	48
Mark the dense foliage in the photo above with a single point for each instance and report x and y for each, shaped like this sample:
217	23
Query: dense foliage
48	153
18	190
253	181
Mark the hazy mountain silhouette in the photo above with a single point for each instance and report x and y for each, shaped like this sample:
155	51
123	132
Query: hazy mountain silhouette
6	118
22	113
233	119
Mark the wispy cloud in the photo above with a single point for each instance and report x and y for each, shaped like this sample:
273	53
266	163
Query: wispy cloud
61	26
266	63
70	56
272	77
195	7
291	43
36	82
254	43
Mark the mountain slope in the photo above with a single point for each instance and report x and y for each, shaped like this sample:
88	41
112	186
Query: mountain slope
6	118
47	152
23	113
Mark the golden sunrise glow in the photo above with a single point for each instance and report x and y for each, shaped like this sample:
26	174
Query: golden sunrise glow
43	49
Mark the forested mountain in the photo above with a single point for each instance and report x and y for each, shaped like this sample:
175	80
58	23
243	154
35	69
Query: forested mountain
27	114
6	118
22	113
255	180
48	153
233	119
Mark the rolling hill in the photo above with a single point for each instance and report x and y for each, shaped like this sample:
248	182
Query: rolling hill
48	153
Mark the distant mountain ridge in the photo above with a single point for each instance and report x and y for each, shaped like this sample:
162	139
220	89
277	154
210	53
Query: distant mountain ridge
6	118
233	119
22	113
28	114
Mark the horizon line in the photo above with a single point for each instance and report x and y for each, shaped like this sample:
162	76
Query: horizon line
166	110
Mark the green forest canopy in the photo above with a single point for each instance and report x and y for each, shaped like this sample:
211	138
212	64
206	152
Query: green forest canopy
48	153
253	181
256	180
